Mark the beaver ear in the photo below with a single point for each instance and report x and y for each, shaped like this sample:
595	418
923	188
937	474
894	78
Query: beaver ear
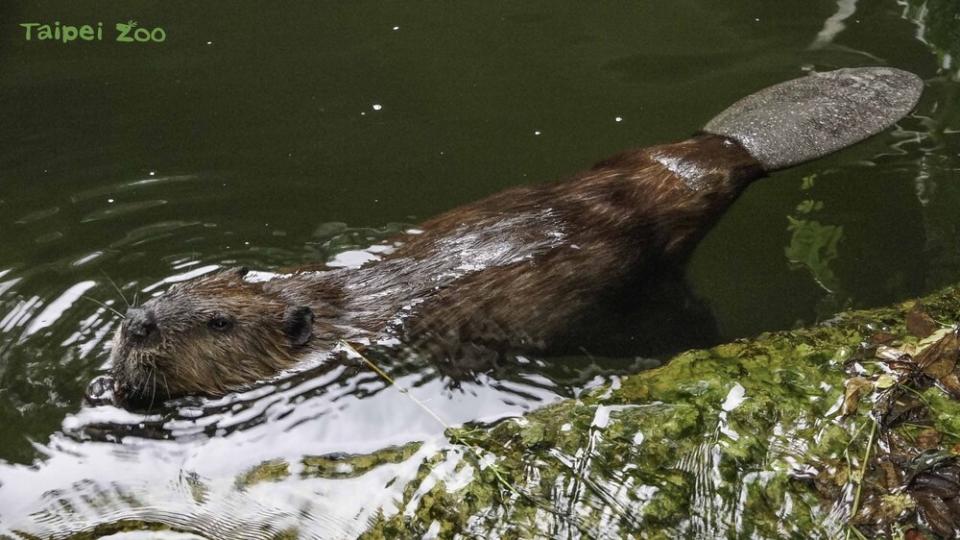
298	324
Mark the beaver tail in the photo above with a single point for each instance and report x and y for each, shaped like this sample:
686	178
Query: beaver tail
809	117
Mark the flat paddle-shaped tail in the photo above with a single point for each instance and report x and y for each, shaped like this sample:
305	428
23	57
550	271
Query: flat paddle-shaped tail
810	117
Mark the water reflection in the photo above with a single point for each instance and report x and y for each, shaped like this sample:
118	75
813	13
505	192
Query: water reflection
170	454
188	463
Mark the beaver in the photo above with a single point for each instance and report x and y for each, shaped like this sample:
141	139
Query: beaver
510	273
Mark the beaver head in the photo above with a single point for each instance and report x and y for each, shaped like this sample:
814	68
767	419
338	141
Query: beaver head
206	336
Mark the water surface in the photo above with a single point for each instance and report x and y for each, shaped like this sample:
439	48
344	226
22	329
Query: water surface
275	137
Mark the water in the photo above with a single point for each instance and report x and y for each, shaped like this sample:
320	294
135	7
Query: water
276	138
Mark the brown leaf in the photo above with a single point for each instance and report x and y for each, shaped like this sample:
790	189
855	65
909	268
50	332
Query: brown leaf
881	338
892	478
937	515
896	359
951	384
940	358
856	388
892	354
919	323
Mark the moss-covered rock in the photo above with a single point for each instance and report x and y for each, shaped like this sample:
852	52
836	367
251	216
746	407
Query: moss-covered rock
757	438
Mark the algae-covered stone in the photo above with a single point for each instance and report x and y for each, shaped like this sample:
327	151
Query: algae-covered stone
747	439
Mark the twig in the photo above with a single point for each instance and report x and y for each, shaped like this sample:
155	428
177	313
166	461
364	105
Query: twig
473	449
863	472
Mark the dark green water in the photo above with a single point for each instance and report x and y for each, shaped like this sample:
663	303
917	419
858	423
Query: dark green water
251	132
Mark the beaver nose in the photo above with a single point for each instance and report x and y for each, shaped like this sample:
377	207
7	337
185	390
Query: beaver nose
141	323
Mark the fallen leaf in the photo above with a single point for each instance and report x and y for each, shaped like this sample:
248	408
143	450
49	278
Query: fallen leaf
939	359
951	384
881	338
892	354
919	323
856	388
937	515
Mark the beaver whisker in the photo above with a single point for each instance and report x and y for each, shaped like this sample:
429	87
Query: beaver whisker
149	366
103	305
141	386
115	286
153	390
166	385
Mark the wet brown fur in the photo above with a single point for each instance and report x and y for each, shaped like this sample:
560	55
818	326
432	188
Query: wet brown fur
510	272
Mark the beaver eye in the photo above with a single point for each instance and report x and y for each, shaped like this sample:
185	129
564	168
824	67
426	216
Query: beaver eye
220	323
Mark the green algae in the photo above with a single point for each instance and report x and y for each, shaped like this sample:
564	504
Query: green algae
353	465
813	245
328	466
268	471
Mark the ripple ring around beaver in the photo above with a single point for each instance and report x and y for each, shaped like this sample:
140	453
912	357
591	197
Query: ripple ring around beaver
513	273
